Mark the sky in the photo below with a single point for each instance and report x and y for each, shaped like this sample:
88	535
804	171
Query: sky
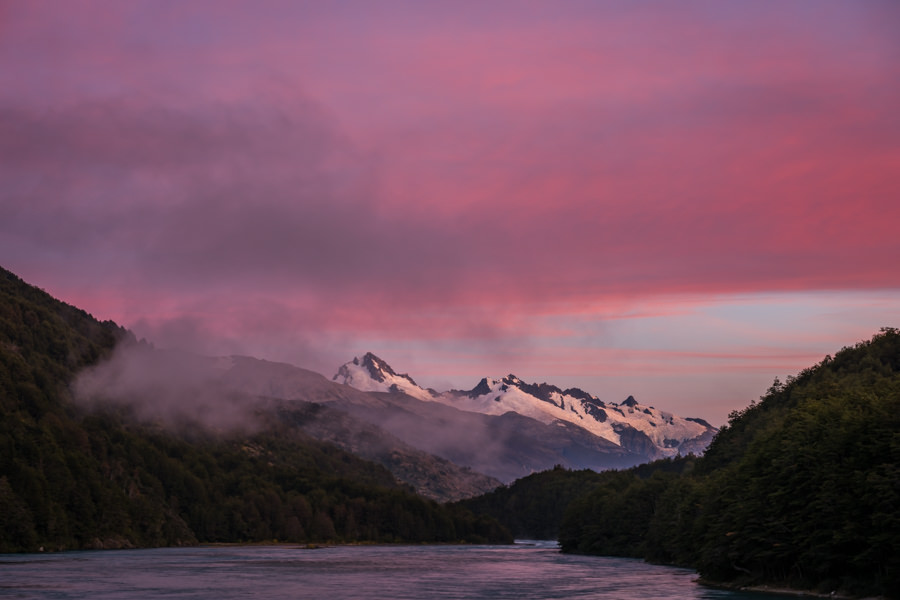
676	201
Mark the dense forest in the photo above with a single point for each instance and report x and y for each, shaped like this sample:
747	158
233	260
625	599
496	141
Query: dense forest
800	489
533	507
73	479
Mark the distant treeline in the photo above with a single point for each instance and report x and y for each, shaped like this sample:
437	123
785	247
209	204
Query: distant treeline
800	489
71	479
533	507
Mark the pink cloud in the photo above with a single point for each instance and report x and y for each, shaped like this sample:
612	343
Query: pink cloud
413	173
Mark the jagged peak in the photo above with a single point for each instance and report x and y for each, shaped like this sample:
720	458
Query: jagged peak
371	373
543	391
378	368
483	387
629	401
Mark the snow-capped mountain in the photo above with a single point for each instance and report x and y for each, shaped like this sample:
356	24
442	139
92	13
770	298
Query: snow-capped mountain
640	429
629	424
371	374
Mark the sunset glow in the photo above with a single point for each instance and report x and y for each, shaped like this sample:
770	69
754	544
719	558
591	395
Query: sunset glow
679	201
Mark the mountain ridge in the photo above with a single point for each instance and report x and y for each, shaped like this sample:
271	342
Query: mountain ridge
642	430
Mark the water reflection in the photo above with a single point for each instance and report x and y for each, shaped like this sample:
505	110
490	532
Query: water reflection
526	570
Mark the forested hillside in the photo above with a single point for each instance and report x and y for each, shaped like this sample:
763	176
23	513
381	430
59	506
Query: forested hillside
533	507
72	479
801	488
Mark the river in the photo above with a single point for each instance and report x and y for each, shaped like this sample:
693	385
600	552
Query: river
525	570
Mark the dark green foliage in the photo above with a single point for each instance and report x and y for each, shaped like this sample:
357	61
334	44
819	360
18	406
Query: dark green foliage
70	479
532	507
801	489
614	519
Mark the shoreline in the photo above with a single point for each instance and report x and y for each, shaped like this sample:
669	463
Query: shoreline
782	591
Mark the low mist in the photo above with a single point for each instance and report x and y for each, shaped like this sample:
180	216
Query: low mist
182	391
170	388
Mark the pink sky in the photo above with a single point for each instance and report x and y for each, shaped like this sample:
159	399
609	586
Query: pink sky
678	201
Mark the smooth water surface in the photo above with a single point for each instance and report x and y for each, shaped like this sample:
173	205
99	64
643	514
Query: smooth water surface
525	570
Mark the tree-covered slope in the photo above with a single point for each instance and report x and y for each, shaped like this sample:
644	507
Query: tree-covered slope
76	479
532	507
801	488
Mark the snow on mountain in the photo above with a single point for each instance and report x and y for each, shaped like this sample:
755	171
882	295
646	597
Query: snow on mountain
642	429
371	374
626	424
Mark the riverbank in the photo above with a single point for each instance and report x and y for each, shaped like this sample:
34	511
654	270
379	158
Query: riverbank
784	591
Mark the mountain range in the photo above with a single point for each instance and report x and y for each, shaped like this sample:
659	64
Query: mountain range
508	428
445	445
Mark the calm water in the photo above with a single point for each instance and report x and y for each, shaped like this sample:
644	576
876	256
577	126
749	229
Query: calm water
534	570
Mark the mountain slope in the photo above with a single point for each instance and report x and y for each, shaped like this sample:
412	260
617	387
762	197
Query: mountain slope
334	418
114	476
431	476
505	447
245	394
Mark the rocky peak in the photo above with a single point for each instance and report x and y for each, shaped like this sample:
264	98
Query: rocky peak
582	395
543	391
379	370
630	402
481	389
